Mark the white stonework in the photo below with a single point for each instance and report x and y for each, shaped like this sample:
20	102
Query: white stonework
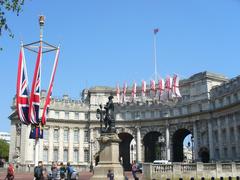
209	109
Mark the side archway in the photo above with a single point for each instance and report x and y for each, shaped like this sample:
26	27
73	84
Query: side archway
124	150
177	146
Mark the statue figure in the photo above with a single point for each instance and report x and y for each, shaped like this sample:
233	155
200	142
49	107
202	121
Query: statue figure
107	116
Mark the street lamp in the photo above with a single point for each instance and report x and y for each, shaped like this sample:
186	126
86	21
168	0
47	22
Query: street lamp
192	140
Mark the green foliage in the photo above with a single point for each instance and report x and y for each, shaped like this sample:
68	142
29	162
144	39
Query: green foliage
14	6
4	149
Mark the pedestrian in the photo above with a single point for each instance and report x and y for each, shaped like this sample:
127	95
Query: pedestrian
69	171
110	175
38	171
134	170
55	172
62	171
10	172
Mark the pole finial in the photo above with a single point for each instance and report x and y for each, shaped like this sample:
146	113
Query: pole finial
41	20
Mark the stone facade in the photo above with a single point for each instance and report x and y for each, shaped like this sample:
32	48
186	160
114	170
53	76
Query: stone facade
209	110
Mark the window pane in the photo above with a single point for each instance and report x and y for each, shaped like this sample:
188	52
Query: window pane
76	136
86	136
65	135
45	134
55	155
65	155
55	135
86	155
75	156
45	155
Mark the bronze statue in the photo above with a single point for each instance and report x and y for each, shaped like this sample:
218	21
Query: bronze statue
109	121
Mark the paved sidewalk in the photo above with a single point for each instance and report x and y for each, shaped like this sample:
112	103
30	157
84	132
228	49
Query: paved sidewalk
83	176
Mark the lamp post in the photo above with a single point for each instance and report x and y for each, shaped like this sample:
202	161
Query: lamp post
192	140
91	156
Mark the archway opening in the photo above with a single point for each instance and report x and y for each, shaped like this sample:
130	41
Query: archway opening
124	150
152	150
178	145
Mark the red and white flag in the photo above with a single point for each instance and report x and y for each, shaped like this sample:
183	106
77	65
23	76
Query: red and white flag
134	91
144	87
175	86
168	87
22	99
161	88
35	92
50	88
152	88
124	92
118	93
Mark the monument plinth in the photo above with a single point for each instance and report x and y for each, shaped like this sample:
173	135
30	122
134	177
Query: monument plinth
109	158
109	145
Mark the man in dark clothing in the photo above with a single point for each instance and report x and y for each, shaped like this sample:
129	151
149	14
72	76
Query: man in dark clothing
38	171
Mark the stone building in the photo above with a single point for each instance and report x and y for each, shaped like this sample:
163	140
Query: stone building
209	110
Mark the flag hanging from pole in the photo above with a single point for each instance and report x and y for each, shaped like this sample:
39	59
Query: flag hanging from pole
124	92
175	86
22	101
143	88
35	92
161	88
48	98
134	91
156	30
118	93
168	87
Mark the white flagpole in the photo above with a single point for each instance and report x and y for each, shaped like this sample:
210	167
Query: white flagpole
155	54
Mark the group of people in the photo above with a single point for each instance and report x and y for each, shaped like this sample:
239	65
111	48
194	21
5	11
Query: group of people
58	172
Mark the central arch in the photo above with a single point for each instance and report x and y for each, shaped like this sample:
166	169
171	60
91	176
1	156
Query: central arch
150	141
124	150
178	138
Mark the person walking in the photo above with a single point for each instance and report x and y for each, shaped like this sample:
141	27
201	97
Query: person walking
38	171
55	172
69	171
10	172
62	171
134	170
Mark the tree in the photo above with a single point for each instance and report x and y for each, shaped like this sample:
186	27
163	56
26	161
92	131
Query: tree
4	150
14	6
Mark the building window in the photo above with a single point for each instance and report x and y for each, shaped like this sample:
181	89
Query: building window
76	136
66	115
65	135
57	114
225	153
152	114
45	155
65	155
86	136
55	135
217	154
86	116
45	134
137	115
75	156
235	97
143	115
86	155
76	116
234	153
55	155
132	115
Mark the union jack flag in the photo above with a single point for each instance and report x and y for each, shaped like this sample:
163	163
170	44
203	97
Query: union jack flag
48	98
35	92
22	101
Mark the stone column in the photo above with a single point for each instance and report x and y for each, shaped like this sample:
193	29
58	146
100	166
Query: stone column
210	140
70	145
81	142
229	142
139	149
220	143
167	143
50	150
61	139
195	136
236	136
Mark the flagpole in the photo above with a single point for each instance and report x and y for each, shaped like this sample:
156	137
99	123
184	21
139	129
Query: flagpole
155	54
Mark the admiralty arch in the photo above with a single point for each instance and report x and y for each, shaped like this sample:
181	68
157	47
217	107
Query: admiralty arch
209	110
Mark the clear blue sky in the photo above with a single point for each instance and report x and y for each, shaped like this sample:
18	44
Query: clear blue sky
102	38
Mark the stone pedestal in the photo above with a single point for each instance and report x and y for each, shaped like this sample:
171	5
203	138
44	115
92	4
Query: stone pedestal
109	158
